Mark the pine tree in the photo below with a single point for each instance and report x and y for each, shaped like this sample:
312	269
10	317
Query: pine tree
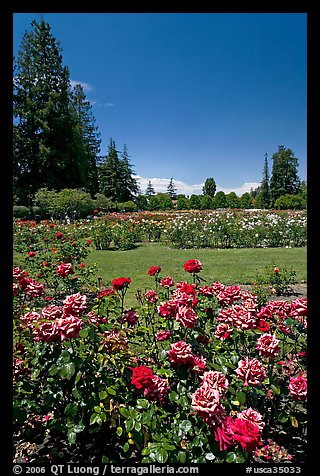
171	190
150	190
45	140
130	187
115	176
284	176
89	137
263	197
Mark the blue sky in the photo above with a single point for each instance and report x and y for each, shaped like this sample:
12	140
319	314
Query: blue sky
192	95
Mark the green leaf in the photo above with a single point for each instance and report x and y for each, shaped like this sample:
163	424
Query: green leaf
283	417
119	431
67	370
97	409
103	395
184	427
126	447
124	412
142	403
182	456
161	455
72	436
111	391
54	369
241	396
231	457
83	333
71	409
129	424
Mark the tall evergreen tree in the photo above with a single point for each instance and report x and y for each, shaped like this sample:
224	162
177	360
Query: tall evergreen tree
45	140
171	190
115	176
263	197
209	187
150	190
89	136
130	187
284	177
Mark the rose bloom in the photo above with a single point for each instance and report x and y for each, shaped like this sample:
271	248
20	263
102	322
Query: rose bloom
186	316
47	332
69	327
167	309
31	254
29	318
206	291
34	289
105	292
154	270
199	363
298	388
251	372
151	296
167	282
206	402
15	289
216	380
141	377
229	295
217	287
59	235
246	433
299	307
223	331
192	266
131	317
19	273
64	269
184	288
75	304
223	433
263	325
52	312
157	389
252	415
162	335
268	345
120	283
180	353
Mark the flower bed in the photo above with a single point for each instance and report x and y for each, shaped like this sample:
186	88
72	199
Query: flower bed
195	373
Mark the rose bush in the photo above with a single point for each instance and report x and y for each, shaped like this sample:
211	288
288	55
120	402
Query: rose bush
194	373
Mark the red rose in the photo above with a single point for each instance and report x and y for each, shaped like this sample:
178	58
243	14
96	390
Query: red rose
59	235
31	254
246	433
141	377
154	270
120	283
192	266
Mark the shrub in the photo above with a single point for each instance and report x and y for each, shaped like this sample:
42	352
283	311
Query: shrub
20	211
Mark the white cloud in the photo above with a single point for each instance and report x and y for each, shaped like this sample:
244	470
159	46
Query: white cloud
85	86
161	184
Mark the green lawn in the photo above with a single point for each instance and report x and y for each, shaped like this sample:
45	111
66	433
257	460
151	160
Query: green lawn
230	266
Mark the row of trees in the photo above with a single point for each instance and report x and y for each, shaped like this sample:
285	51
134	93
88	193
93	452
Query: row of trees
56	144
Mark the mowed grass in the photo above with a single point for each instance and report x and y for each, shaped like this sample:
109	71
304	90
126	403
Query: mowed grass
229	266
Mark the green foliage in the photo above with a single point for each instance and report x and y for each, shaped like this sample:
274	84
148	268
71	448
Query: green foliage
220	200
161	201
20	211
66	200
209	187
284	177
50	139
290	202
77	397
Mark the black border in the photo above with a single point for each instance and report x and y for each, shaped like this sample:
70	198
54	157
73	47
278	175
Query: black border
312	9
